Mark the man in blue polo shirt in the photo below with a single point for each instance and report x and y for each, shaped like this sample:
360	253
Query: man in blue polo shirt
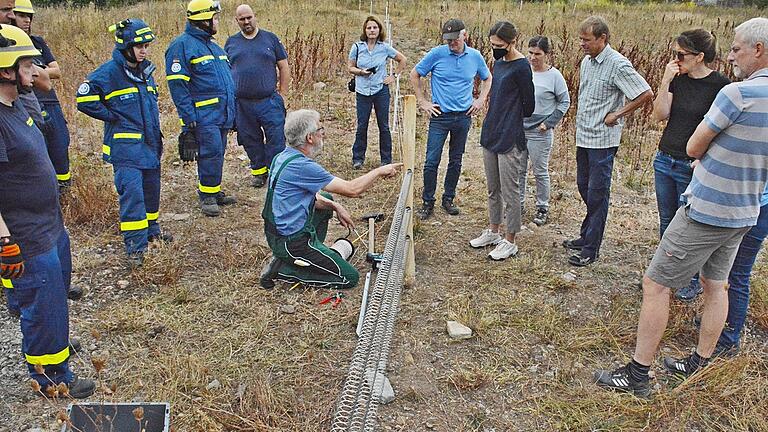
261	74
453	66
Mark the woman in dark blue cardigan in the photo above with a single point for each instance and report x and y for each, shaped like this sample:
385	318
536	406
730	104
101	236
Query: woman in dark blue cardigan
503	140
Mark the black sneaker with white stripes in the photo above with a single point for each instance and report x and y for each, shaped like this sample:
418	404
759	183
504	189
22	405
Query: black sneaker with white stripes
682	368
620	380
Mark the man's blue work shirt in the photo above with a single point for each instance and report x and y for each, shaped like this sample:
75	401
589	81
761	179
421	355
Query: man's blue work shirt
253	63
295	191
370	85
453	76
29	193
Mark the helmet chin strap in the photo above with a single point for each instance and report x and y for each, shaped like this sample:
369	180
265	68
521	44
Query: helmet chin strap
205	25
17	82
129	55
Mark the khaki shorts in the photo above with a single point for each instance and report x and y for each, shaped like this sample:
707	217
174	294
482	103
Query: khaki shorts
688	247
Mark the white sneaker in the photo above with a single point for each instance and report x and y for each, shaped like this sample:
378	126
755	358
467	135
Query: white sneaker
503	250
487	238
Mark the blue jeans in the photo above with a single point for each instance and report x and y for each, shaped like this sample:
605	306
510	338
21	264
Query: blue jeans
593	178
671	177
380	103
456	124
738	280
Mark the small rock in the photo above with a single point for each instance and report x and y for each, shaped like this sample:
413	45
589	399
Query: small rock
533	369
318	86
242	156
430	423
176	163
457	330
549	375
213	385
568	277
387	392
34	430
288	309
123	284
181	216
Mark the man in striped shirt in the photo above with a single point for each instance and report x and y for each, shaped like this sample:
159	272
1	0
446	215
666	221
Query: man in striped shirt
723	202
607	79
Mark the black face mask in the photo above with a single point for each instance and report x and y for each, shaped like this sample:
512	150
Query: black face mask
499	53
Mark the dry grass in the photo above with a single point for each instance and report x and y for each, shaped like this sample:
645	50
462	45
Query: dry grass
194	313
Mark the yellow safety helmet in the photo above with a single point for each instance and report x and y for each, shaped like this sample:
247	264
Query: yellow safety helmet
24	6
15	44
201	10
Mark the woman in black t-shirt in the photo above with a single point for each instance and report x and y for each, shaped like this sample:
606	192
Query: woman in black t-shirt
685	94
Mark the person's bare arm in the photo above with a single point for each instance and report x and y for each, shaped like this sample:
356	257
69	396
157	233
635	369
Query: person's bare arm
54	70
478	105
284	76
612	119
342	214
4	232
43	80
424	103
663	102
355	188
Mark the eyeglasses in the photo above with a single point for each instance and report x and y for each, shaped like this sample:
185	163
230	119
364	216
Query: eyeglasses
681	55
320	129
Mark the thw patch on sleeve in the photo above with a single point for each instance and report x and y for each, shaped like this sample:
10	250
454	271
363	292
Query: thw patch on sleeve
84	88
176	66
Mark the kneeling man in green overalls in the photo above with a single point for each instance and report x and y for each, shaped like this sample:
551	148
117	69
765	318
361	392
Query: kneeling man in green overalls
299	205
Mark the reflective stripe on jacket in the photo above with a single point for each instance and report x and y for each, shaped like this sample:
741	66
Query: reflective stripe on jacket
200	80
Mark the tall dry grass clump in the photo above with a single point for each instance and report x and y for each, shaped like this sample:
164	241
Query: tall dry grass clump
90	204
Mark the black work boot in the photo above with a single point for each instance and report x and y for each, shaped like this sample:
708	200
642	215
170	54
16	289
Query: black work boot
269	273
259	180
449	207
74	292
81	388
222	199
209	206
163	237
426	210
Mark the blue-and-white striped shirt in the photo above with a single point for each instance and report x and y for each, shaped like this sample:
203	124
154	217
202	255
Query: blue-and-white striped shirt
364	59
604	81
728	184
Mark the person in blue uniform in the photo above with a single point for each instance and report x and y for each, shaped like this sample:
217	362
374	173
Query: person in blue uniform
200	82
123	94
31	225
261	74
54	126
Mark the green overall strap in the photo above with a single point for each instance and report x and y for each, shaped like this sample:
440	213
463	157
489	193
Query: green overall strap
269	218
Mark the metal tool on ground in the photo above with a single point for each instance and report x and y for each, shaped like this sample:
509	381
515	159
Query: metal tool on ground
363	304
335	299
372	257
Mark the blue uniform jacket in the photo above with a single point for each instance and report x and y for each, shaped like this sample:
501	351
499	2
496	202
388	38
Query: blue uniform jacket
200	80
126	101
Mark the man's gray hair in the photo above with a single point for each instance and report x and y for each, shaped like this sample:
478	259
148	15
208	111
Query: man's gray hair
299	124
754	31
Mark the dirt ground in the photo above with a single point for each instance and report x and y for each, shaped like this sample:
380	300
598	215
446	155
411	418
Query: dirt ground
192	327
